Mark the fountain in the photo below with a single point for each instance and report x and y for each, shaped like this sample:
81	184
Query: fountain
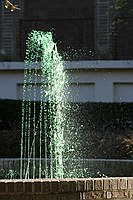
48	147
51	143
51	136
43	122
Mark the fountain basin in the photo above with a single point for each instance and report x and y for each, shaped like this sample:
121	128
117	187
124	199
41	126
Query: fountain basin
67	189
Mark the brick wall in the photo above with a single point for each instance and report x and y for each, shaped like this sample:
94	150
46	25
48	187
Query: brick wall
9	22
71	22
102	28
67	189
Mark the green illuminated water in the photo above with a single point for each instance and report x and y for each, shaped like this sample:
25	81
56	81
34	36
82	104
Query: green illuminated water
43	122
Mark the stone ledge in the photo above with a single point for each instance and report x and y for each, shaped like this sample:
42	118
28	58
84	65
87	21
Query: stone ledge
91	188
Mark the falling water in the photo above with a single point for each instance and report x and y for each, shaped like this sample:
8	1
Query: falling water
43	109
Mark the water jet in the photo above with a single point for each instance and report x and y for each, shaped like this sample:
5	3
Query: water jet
43	124
45	133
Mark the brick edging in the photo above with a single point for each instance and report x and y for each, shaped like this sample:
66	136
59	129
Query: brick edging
104	188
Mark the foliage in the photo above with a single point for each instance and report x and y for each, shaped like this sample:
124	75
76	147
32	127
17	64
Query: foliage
121	7
128	144
121	10
97	123
10	174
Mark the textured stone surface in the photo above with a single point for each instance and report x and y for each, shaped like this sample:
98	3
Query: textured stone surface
67	189
89	185
98	184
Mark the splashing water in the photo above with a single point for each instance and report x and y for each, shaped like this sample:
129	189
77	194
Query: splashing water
42	142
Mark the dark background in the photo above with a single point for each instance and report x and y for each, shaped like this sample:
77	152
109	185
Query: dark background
83	30
105	130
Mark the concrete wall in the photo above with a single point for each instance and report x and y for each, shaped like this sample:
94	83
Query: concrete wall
67	189
95	81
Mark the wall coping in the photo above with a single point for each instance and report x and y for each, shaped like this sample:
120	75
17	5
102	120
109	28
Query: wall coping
84	188
96	64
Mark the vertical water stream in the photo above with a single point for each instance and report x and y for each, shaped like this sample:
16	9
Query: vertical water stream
43	105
